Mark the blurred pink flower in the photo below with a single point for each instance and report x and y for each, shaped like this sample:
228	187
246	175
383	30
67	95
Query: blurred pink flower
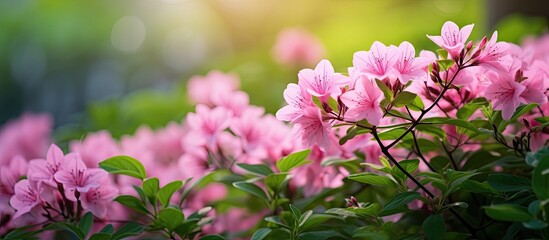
9	175
295	47
95	148
27	136
203	89
452	39
208	123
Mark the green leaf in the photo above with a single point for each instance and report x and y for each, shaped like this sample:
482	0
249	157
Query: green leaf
261	234
351	133
252	189
398	203
468	110
508	183
433	227
128	230
132	202
316	219
124	165
462	124
373	179
108	229
141	193
275	181
477	187
276	220
166	192
171	218
393	134
212	237
295	211
85	223
293	160
150	188
431	130
535	224
445	64
442	53
518	113
101	236
417	104
540	178
67	227
404	98
387	93
410	165
370	234
304	218
508	212
258	169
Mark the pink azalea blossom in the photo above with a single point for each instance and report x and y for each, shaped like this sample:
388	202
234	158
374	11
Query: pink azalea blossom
452	38
297	47
494	54
378	62
311	129
43	170
408	66
75	175
298	99
26	198
97	200
363	101
322	81
505	94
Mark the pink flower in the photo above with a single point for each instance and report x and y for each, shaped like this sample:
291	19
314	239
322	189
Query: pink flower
43	170
452	38
322	81
95	148
202	89
494	54
297	47
75	175
310	128
363	101
9	175
378	62
26	198
97	200
504	93
208	123
408	66
298	99
27	136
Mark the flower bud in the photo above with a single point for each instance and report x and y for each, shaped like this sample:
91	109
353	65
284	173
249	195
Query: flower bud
469	46
482	43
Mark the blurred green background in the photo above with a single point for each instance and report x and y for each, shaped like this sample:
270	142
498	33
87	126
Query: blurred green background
116	64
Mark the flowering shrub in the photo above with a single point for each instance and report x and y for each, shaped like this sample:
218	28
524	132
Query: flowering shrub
437	145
